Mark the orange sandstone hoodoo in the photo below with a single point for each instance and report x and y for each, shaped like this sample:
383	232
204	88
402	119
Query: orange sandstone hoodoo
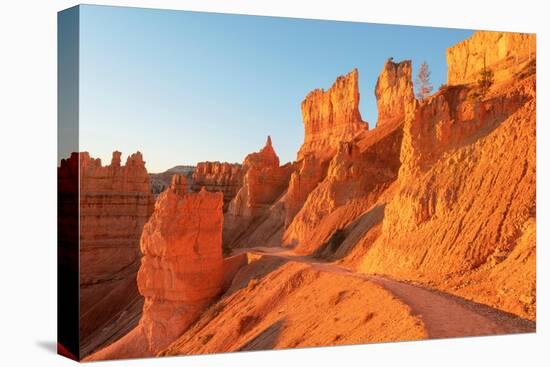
181	270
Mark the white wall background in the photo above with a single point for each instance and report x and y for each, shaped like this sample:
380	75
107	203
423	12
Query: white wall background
28	182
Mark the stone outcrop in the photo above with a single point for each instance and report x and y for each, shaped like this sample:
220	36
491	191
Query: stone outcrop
308	173
115	203
394	92
326	196
356	176
505	53
451	118
263	183
331	116
216	176
181	273
464	210
161	181
182	267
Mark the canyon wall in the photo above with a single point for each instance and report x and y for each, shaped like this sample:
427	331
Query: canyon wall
115	203
465	206
505	53
361	169
226	178
331	116
182	269
441	192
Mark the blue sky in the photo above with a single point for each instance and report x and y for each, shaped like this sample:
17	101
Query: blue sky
184	87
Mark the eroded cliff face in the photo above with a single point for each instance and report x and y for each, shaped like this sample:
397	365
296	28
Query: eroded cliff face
115	203
441	191
264	183
226	178
362	168
394	92
331	117
505	53
181	272
465	206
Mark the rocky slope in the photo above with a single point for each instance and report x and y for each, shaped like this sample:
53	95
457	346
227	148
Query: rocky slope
274	304
115	203
463	217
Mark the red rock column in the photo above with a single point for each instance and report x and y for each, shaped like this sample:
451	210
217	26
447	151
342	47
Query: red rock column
182	268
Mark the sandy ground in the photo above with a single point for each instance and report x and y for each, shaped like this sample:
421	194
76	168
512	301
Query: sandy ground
444	315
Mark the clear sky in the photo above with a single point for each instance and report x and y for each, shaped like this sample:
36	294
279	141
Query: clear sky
184	87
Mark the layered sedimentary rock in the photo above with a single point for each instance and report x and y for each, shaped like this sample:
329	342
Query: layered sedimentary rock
331	116
464	212
115	203
356	175
181	271
182	267
394	92
309	171
161	181
505	53
263	184
217	176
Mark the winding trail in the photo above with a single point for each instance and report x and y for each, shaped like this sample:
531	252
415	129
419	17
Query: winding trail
444	315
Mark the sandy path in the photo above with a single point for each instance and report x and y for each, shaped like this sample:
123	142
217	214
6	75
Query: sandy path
444	315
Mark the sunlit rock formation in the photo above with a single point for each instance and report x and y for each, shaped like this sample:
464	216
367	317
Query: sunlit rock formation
394	92
331	116
505	53
465	207
323	198
181	270
264	182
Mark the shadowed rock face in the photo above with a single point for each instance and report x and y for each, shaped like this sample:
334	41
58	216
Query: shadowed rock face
115	203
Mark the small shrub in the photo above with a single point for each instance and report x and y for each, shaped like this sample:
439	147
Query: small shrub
485	81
